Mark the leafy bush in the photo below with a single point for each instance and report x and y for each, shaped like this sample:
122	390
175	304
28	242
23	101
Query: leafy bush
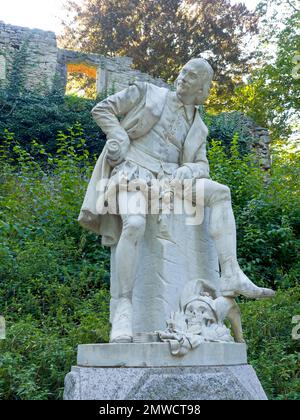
42	118
53	275
226	125
267	212
271	350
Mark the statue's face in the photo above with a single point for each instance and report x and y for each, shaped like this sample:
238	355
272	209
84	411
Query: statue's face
191	86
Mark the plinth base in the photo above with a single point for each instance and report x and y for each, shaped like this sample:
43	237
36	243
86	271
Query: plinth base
213	371
197	383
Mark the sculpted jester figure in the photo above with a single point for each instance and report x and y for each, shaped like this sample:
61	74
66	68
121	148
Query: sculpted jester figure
154	133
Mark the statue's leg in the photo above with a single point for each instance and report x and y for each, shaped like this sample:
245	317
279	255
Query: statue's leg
222	228
126	261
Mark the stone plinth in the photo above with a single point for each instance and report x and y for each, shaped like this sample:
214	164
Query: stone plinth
213	371
159	355
173	383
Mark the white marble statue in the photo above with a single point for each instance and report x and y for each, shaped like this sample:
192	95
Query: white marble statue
154	133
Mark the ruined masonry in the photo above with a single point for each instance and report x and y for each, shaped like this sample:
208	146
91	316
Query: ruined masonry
46	66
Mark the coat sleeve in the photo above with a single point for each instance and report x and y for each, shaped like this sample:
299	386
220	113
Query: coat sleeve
107	114
200	168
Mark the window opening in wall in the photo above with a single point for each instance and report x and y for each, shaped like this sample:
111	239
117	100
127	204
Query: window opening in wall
81	80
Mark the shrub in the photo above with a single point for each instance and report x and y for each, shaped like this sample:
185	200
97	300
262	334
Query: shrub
42	118
53	275
267	212
271	350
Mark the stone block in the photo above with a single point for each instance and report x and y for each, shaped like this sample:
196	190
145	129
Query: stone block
159	355
167	383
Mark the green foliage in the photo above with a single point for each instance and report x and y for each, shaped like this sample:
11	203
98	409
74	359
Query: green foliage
272	94
162	35
267	212
225	126
54	276
41	118
240	173
17	77
271	350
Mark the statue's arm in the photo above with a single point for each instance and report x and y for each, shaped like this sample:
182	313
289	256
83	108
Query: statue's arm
108	113
199	168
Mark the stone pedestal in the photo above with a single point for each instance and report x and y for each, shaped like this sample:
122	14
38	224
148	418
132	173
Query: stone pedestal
213	371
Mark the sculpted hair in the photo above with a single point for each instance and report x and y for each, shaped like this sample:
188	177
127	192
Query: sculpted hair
205	68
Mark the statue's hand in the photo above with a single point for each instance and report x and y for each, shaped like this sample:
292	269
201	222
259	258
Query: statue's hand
113	149
183	173
116	151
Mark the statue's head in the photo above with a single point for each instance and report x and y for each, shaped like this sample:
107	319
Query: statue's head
194	82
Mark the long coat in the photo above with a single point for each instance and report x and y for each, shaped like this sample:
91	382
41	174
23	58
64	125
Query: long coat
138	122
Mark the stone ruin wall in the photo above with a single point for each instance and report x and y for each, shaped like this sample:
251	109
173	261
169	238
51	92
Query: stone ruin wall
45	67
261	145
40	56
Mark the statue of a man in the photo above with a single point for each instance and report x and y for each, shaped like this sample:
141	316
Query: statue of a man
156	133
